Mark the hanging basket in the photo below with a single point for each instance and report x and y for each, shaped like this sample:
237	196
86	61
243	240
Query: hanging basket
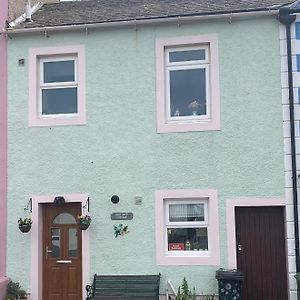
84	225
24	228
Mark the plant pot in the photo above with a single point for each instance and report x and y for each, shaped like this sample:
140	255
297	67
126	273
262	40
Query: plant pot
25	228
83	225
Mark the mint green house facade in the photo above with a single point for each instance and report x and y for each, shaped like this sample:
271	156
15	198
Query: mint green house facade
181	119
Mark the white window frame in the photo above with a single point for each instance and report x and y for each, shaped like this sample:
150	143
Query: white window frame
205	257
56	85
36	57
187	224
210	121
187	65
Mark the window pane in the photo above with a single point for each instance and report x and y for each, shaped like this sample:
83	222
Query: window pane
55	237
186	212
72	242
188	92
59	101
187	239
59	71
64	218
188	55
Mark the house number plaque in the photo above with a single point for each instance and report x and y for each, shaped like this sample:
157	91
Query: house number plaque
122	216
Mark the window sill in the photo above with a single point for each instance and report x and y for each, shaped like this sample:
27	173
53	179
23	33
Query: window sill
186	127
57	121
188	254
188	261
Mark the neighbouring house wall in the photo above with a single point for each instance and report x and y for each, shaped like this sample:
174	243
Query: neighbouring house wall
3	135
3	148
119	152
287	143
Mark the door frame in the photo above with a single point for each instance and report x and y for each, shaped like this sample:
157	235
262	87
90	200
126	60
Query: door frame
36	241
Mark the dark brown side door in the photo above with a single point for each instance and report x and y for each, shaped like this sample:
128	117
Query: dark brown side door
261	252
62	261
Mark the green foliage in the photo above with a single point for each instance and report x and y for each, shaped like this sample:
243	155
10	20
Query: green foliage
26	221
84	219
184	292
14	291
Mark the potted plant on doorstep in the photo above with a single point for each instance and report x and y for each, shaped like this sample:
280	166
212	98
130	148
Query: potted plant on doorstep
25	224
84	221
14	291
184	293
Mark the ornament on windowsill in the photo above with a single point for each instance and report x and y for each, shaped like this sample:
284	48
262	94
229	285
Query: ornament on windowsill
194	106
120	230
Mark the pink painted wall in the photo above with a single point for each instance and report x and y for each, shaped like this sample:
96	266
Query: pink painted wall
3	135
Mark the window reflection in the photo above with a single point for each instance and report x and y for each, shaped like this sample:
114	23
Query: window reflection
55	241
59	101
59	71
73	245
187	239
64	218
189	55
188	92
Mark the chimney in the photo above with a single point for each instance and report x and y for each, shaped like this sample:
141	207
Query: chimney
28	11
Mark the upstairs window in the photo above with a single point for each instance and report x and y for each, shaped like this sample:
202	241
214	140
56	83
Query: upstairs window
57	86
187	84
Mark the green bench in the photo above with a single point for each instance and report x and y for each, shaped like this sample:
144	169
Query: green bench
125	287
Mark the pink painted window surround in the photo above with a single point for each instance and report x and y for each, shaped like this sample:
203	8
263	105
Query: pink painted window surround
208	94
208	198
37	56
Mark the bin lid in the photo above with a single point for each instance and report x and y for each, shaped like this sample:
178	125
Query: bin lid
232	274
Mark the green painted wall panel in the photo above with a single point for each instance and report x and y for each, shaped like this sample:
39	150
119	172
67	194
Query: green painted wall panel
119	152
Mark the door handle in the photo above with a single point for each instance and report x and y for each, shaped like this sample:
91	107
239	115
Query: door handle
239	247
64	261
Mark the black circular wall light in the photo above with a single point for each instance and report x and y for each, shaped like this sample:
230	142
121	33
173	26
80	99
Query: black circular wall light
115	199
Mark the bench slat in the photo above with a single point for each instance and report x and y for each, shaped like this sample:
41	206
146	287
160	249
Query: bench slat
123	291
122	297
124	285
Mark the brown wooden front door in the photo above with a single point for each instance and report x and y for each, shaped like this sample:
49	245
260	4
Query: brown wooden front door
62	263
261	252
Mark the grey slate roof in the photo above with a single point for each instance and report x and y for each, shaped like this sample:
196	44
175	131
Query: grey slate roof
103	11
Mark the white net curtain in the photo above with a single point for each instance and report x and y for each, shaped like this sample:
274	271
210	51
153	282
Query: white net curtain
186	212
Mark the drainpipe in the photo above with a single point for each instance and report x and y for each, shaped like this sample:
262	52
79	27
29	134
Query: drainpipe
287	19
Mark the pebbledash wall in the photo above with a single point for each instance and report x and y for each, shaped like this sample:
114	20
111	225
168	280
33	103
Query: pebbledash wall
3	145
119	152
